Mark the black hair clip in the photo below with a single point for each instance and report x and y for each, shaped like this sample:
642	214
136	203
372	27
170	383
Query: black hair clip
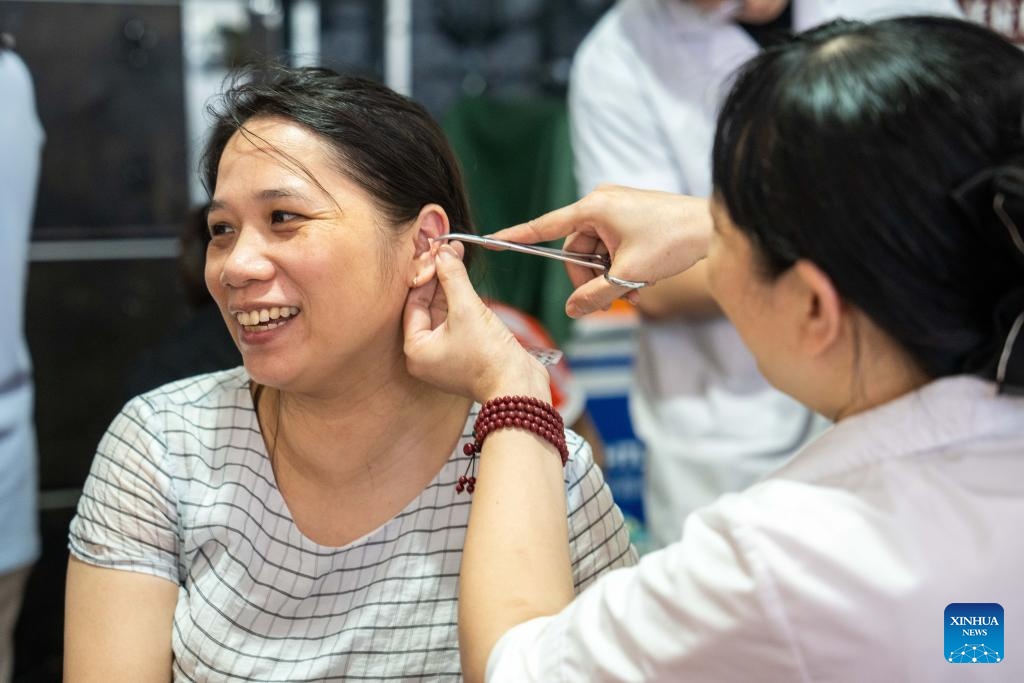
990	190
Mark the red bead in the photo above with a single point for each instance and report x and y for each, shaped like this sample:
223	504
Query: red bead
522	412
472	480
470	488
459	488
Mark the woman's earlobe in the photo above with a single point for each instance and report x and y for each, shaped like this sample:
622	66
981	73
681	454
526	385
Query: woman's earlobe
423	268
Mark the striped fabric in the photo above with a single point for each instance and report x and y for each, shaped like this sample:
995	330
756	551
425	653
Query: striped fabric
181	488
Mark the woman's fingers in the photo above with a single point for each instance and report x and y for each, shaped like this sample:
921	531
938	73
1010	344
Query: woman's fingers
438	306
427	306
454	280
452	340
417	318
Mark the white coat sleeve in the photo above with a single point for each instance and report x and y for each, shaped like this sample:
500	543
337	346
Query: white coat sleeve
703	609
616	135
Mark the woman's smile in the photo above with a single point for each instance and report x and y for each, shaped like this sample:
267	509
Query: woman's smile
262	316
262	325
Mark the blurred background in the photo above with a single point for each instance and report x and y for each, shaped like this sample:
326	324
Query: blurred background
121	91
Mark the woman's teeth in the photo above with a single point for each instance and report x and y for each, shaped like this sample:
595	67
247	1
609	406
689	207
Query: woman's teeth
265	315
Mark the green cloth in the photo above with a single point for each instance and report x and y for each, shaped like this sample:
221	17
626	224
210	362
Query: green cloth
517	161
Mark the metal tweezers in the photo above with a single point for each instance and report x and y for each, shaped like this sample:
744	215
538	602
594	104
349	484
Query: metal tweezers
595	261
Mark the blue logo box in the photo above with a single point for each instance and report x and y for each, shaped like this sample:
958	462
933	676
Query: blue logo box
974	633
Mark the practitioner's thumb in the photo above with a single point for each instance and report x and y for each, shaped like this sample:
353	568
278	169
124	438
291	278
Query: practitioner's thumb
594	295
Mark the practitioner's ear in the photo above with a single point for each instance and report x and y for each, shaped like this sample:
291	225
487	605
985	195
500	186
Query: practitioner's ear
432	222
821	320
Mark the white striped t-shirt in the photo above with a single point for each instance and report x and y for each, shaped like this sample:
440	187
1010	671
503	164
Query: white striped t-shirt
181	488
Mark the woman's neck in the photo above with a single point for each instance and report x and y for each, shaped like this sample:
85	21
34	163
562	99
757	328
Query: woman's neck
880	372
390	435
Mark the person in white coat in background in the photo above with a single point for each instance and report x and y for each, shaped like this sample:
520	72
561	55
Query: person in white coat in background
644	92
866	238
21	142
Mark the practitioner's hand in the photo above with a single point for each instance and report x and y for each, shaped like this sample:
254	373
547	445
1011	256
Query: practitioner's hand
648	235
455	342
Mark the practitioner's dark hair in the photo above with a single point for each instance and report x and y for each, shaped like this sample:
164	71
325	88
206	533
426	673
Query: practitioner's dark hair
386	143
890	155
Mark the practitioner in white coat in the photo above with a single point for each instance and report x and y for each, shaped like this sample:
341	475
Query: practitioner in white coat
645	89
867	244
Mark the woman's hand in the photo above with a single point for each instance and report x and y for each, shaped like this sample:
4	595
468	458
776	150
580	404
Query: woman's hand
648	235
453	341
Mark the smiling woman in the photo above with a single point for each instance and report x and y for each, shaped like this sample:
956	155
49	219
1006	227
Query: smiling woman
311	241
297	518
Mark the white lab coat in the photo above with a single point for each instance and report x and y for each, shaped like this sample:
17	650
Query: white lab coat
644	93
837	567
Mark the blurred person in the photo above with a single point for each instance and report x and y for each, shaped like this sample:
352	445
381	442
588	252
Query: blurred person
301	517
645	89
21	143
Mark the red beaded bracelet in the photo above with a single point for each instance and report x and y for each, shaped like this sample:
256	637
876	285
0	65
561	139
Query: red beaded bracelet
512	412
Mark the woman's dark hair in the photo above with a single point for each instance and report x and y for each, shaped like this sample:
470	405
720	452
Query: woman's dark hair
879	152
384	142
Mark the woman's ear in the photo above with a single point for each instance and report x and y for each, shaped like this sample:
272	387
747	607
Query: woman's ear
432	222
822	311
